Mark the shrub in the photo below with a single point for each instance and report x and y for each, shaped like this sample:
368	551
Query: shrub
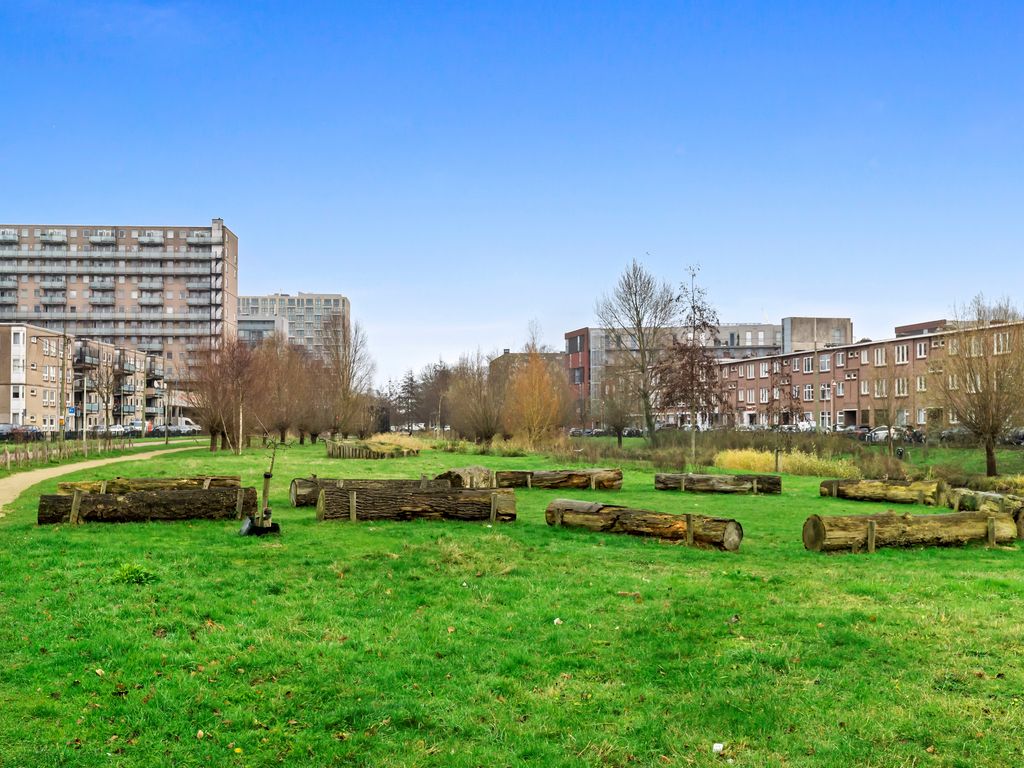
795	463
133	573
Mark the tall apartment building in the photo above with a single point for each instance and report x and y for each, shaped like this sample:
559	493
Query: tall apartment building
305	313
163	290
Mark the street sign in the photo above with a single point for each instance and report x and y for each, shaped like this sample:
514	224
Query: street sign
71	410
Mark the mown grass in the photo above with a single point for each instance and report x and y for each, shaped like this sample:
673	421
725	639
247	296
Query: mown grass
431	644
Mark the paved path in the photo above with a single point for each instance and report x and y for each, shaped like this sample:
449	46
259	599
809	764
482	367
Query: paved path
12	487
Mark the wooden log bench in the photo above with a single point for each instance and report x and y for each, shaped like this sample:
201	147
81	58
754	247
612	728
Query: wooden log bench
695	530
304	491
142	506
966	499
760	484
859	533
495	505
130	484
929	492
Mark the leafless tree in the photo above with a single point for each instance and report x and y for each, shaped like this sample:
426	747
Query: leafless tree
475	399
350	372
281	367
105	383
619	404
639	313
981	381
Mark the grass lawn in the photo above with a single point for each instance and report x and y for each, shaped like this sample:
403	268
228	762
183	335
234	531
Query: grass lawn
435	644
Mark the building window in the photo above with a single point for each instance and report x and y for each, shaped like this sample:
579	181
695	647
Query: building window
879	355
922	415
840	359
808	392
840	388
881	388
922	384
922	350
901	388
764	394
764	370
775	366
1001	343
750	371
808	365
825	363
864	357
865	387
826	391
902	354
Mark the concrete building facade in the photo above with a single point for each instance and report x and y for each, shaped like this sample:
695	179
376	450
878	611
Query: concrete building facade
306	314
159	289
253	329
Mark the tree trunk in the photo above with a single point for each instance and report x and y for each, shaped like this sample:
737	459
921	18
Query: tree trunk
713	532
850	532
468	477
282	434
130	484
140	506
600	479
618	438
718	483
224	445
409	504
304	491
213	440
302	437
990	457
929	492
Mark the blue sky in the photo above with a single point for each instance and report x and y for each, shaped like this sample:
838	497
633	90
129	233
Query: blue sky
461	169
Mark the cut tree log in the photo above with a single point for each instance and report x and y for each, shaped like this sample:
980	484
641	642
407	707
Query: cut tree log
965	499
303	491
713	532
358	450
130	484
468	477
599	479
485	504
718	483
140	506
832	533
929	492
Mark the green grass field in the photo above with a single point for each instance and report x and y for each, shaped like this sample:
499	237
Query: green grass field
436	644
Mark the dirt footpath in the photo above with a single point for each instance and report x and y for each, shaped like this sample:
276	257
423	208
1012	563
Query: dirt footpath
13	486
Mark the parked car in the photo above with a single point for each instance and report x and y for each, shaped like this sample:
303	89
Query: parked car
116	430
1014	437
632	432
955	435
881	434
575	432
6	431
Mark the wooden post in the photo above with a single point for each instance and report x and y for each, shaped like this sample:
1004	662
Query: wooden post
352	506
871	537
494	508
689	528
529	481
956	504
103	487
239	503
76	503
7	458
593	482
206	483
776	461
682	482
991	531
423	481
755	485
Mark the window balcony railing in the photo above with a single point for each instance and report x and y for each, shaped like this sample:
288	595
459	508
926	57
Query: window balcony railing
151	239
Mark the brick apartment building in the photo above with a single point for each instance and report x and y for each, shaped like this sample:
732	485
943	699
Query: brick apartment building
103	383
863	383
589	351
159	289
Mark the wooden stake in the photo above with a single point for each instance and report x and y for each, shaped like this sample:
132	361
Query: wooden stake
871	537
206	483
76	503
494	508
991	531
593	482
239	504
755	485
529	481
689	528
103	487
352	506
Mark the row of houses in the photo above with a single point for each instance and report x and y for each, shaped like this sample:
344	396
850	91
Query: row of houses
819	376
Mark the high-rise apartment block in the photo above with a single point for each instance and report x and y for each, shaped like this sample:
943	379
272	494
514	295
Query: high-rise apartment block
163	290
306	314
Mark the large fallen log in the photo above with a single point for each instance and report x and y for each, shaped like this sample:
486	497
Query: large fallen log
831	533
718	483
601	479
468	477
139	506
715	532
303	491
130	484
930	492
486	504
358	450
960	499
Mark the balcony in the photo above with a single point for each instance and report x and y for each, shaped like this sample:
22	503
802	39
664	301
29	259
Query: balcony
102	301
198	285
54	237
152	346
51	300
128	389
86	359
8	283
8	237
126	409
101	285
53	284
92	407
151	301
204	239
198	301
8	298
152	410
126	366
151	239
106	238
151	285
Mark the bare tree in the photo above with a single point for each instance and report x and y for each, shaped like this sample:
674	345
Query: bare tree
537	397
639	313
689	373
981	381
281	366
105	383
619	404
476	399
350	372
